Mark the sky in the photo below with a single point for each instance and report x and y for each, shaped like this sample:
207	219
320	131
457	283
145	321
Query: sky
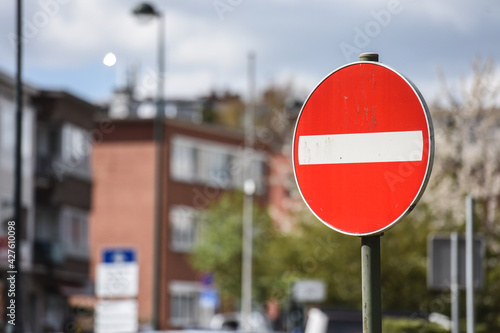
208	42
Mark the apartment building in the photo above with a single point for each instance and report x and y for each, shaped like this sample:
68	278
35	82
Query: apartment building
200	162
63	182
7	147
56	189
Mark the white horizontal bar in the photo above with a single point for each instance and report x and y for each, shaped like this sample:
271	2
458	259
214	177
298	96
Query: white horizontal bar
360	148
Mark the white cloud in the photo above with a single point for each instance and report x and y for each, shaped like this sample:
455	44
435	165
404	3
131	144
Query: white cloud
65	42
201	43
291	39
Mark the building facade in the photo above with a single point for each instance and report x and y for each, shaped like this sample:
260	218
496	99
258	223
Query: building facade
200	162
56	189
7	149
63	183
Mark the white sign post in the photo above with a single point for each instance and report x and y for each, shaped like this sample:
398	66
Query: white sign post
117	284
116	316
117	280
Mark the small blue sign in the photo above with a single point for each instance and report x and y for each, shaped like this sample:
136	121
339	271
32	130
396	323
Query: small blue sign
207	280
118	256
209	298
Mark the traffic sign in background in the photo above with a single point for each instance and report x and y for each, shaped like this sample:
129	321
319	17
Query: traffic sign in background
439	262
363	148
113	316
118	274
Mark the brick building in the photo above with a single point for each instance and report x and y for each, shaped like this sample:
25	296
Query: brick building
200	162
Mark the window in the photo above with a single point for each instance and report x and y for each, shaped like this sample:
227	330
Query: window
74	225
183	220
214	164
217	168
47	224
220	169
184	308
184	300
76	145
184	161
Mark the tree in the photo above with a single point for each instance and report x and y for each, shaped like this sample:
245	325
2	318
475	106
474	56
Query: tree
313	250
223	108
467	131
218	248
467	161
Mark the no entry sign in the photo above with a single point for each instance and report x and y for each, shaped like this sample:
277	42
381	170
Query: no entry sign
363	148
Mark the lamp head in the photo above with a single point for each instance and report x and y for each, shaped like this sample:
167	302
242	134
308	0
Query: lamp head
145	11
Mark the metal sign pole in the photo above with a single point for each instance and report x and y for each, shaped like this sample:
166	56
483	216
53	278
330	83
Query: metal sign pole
370	267
360	146
469	265
370	282
455	293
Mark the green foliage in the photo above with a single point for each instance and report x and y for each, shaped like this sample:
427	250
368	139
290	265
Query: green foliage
218	249
488	305
314	251
209	115
404	263
404	325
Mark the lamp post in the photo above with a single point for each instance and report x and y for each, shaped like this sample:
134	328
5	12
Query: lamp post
14	299
146	10
249	188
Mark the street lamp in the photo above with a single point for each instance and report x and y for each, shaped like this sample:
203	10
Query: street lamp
249	188
147	11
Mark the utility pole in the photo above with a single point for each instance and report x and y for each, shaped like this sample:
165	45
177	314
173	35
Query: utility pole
249	187
14	299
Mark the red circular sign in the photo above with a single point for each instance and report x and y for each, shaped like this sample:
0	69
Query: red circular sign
363	148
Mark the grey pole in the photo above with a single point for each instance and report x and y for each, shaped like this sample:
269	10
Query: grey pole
368	56
370	267
14	271
370	282
159	139
469	263
249	190
455	293
146	9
